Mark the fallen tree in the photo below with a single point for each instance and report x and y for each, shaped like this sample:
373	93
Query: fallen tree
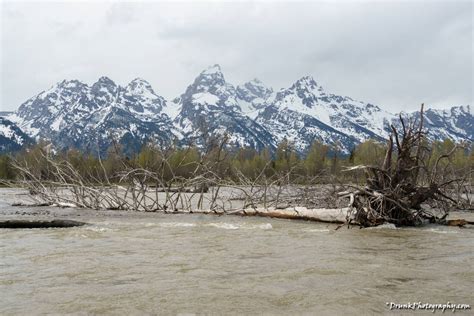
403	188
396	192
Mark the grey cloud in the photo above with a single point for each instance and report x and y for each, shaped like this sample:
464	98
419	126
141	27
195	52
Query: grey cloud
122	13
394	54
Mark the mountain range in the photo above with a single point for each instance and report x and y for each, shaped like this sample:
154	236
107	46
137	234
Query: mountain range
72	114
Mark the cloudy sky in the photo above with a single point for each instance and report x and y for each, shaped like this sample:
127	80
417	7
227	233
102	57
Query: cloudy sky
396	54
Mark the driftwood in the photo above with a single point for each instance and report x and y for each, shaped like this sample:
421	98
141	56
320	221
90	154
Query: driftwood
139	189
22	224
337	216
397	191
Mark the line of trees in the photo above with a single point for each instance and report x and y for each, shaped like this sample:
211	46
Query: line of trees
322	162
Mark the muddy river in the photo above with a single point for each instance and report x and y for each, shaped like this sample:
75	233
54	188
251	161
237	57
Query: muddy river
142	263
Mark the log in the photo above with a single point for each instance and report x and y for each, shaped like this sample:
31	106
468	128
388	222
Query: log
323	215
338	216
26	224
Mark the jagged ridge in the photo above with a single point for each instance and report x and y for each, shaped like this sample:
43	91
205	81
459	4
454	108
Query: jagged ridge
74	114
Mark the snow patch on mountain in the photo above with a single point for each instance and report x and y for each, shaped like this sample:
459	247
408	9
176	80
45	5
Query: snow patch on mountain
74	114
253	96
12	138
210	107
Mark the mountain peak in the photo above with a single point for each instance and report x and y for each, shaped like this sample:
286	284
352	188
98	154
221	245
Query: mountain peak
256	81
139	85
211	70
104	85
139	80
67	86
104	80
463	108
70	83
252	89
307	84
211	79
307	81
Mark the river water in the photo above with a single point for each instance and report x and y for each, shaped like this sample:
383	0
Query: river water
142	263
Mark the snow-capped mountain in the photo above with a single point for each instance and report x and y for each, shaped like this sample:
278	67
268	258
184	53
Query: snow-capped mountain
455	123
140	98
211	107
306	112
12	138
74	114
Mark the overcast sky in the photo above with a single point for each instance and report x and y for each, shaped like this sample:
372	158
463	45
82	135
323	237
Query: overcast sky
395	54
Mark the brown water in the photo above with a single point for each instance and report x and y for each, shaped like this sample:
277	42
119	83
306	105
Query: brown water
181	264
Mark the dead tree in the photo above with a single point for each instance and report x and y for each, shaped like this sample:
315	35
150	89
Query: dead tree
397	191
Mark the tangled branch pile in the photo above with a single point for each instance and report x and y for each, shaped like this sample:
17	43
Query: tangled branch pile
207	186
403	188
